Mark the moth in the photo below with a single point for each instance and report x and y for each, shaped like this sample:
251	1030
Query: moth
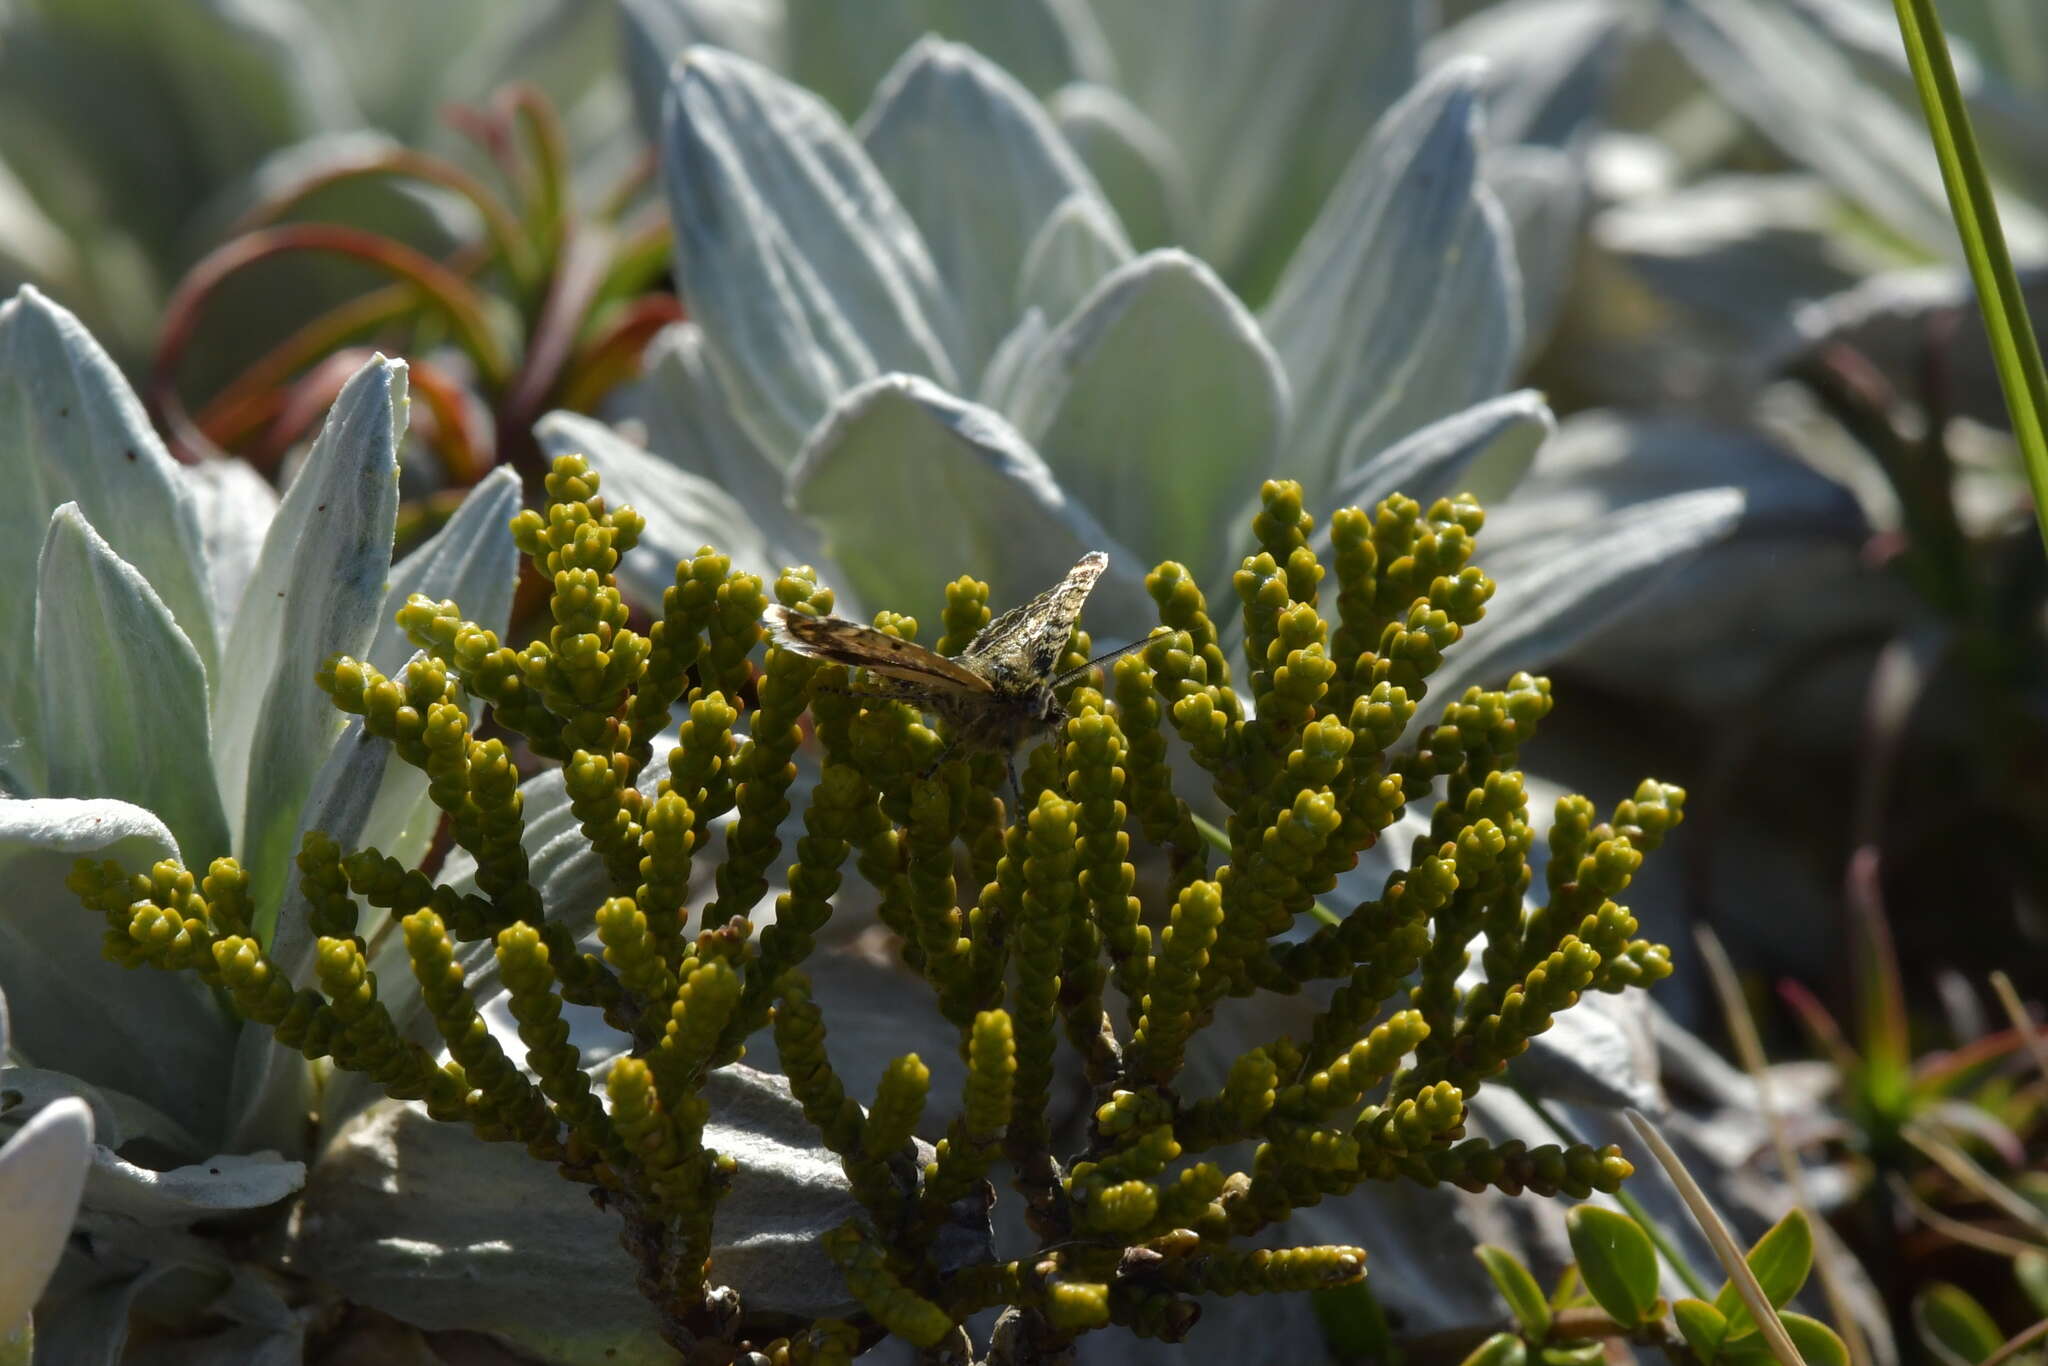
994	695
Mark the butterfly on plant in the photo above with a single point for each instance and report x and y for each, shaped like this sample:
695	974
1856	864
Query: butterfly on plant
998	692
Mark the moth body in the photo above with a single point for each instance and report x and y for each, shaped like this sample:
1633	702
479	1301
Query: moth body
998	693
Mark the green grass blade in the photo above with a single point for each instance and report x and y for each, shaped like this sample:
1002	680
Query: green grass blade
2014	348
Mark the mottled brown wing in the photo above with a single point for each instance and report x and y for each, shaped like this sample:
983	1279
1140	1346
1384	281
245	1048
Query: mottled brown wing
1029	639
864	647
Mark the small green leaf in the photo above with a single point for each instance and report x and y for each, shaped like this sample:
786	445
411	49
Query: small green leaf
1704	1327
1518	1288
1573	1354
1502	1349
1816	1342
1571	1289
1617	1261
1954	1327
1780	1260
2031	1270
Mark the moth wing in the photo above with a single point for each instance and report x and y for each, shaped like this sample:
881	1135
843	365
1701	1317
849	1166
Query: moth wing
847	642
1033	635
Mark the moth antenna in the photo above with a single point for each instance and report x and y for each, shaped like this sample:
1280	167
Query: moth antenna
1118	653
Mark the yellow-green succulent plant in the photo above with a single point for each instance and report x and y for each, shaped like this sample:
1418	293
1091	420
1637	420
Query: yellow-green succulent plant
1100	914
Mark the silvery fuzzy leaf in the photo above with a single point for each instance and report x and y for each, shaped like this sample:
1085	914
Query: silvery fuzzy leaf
690	425
123	694
1568	563
980	169
117	1117
791	250
1013	357
129	1204
233	506
1544	193
1266	104
842	51
1727	261
1890	319
1484	450
1785	73
91	1328
1073	250
159	1036
1743	251
480	1236
1160	404
1136	164
271	1089
1995	47
71	430
316	591
1604	462
42	1174
684	512
912	487
655	32
1796	525
186	1281
250	1323
1563	589
1549	64
1382	249
1467	346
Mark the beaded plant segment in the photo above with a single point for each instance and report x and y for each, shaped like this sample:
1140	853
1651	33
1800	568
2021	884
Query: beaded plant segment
994	695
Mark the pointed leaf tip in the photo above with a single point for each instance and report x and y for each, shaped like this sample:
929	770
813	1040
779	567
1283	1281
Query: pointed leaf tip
316	591
122	691
42	1176
1780	1260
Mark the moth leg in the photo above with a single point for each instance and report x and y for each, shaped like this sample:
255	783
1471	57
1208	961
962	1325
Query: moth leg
1016	791
952	747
